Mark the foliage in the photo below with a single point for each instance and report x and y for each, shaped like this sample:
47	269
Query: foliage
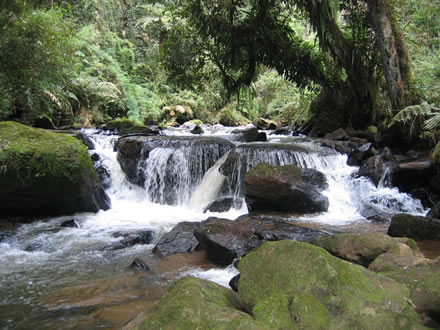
36	61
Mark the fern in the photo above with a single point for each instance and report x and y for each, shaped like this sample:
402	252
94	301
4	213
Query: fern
433	122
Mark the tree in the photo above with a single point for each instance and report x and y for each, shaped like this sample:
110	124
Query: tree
359	43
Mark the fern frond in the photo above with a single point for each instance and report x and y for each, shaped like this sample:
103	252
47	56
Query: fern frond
434	121
411	113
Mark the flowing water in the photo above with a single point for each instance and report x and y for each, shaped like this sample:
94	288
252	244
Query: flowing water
57	277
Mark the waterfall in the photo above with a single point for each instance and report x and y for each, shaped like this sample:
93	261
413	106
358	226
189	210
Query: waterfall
172	172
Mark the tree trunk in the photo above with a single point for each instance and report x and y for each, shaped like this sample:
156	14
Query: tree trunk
392	47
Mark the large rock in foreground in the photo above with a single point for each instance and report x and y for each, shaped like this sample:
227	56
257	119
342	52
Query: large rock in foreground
293	285
285	188
192	303
287	285
45	173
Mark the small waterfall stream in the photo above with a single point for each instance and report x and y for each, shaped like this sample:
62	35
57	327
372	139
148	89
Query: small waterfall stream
51	274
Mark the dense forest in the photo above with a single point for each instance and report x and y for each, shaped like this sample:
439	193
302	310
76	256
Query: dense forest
350	63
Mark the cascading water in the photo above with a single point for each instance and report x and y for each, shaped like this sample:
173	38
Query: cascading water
46	267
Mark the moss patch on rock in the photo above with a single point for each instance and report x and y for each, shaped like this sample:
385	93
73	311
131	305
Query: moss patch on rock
126	126
358	248
192	303
45	173
351	294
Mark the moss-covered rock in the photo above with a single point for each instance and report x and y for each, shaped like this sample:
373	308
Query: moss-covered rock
301	277
358	248
390	261
125	126
45	173
192	303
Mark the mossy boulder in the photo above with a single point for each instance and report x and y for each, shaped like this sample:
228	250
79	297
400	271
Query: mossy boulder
45	173
192	303
287	188
358	248
312	289
125	126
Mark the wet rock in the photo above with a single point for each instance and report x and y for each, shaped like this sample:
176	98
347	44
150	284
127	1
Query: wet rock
102	170
198	130
180	239
425	294
262	137
222	205
131	239
416	227
83	137
286	188
262	123
434	212
233	283
139	264
375	167
225	240
339	134
282	131
70	224
356	157
343	147
54	174
249	134
127	126
359	248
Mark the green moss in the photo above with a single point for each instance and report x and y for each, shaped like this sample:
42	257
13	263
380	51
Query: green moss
359	248
298	269
28	155
275	171
302	311
125	126
192	303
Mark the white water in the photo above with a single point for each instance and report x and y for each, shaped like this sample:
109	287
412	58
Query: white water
41	256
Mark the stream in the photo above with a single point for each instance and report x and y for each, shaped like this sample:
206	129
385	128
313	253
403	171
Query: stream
53	276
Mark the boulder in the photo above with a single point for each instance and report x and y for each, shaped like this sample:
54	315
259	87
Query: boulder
139	264
45	173
102	170
192	303
131	238
283	131
225	240
361	249
222	205
357	156
126	126
285	188
198	130
180	239
434	212
262	123
416	227
339	134
88	142
248	134
295	285
389	262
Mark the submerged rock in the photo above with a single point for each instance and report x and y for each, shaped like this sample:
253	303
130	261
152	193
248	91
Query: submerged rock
130	239
222	205
70	224
139	264
285	188
180	239
45	173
